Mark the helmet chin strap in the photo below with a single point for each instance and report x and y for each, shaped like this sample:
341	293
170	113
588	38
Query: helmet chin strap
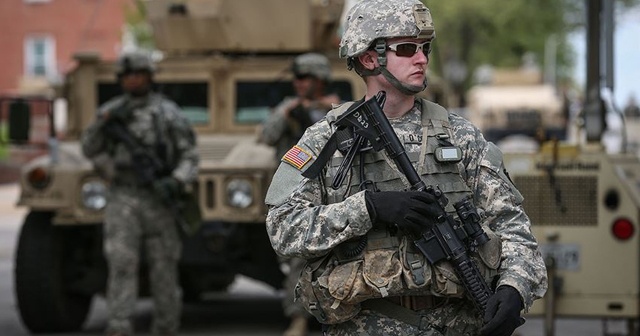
407	89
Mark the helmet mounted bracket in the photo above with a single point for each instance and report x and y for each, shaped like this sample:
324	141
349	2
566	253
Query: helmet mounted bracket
424	22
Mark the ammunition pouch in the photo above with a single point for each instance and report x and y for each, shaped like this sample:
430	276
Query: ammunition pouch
332	291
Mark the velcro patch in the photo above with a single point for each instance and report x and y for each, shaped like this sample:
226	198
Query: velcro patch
297	157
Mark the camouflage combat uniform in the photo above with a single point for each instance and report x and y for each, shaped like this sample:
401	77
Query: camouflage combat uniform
368	278
135	218
282	132
283	129
308	219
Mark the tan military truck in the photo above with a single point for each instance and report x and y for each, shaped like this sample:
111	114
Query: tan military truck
584	205
226	63
516	102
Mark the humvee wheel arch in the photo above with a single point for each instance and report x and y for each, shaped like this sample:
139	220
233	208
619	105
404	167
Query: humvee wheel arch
45	301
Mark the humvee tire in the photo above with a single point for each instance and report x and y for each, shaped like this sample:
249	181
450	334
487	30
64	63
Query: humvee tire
44	301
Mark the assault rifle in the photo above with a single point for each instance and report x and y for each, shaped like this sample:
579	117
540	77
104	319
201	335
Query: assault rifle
148	168
447	239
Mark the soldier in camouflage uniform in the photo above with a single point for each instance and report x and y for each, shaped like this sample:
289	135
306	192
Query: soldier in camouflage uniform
364	275
282	130
293	115
137	216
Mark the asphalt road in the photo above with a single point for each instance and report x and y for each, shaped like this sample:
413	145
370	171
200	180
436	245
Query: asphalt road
249	308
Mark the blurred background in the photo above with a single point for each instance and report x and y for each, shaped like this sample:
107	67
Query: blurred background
553	82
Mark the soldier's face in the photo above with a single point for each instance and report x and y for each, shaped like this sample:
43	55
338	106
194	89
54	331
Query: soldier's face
305	86
136	83
407	67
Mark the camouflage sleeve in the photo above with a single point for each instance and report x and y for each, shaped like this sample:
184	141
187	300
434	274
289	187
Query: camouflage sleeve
500	203
276	125
184	140
93	140
299	223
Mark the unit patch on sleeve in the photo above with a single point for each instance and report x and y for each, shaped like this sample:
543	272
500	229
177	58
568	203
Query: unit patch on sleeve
297	157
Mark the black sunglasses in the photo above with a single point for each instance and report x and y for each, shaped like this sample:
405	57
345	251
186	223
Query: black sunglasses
408	49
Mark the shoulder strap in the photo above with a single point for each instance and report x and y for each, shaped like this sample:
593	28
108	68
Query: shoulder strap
335	113
434	112
332	144
437	117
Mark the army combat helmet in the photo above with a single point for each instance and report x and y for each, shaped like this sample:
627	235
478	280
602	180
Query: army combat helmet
135	61
370	23
312	64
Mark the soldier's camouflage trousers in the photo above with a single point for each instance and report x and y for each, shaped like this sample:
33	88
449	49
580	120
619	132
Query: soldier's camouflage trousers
135	220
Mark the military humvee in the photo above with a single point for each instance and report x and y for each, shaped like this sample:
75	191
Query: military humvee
226	63
516	102
584	204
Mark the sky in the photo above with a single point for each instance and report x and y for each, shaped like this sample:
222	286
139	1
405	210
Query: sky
626	57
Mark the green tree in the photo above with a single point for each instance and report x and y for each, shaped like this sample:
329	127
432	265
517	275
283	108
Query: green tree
500	33
135	15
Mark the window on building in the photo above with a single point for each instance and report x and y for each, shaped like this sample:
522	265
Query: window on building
36	1
40	56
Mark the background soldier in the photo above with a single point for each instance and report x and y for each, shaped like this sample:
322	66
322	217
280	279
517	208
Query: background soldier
283	129
293	115
364	274
137	215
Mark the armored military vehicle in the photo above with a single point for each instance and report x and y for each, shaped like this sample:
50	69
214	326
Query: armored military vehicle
516	102
226	63
584	204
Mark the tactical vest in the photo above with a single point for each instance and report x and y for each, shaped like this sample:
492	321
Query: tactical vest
385	263
152	134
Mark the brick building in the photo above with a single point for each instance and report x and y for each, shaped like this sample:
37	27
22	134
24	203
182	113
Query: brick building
39	37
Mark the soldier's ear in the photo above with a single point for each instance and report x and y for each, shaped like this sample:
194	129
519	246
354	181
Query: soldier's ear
368	60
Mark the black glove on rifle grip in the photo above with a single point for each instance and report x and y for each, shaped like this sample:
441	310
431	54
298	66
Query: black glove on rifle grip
411	211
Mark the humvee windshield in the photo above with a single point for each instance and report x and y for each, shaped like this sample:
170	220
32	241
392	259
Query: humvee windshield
254	100
192	97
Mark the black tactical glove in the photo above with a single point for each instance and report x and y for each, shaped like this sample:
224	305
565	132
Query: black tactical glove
502	315
411	211
168	188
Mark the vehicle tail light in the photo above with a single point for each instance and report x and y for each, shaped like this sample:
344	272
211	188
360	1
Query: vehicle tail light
622	229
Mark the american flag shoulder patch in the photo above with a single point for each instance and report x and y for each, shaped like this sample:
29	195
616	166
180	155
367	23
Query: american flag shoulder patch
297	157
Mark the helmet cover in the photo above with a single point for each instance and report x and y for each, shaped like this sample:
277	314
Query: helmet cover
313	64
369	20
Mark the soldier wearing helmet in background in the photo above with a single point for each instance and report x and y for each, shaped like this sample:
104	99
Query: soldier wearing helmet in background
364	274
282	130
137	216
285	126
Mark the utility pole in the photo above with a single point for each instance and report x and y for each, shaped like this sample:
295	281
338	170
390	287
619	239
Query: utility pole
600	27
